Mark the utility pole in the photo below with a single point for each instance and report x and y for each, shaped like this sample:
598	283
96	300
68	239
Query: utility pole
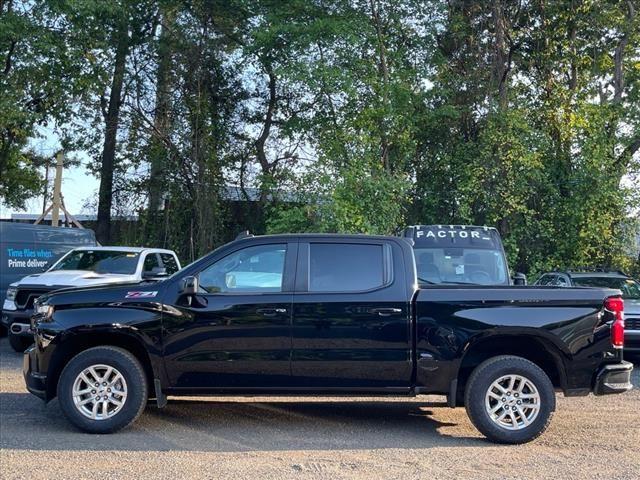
46	186
57	187
58	201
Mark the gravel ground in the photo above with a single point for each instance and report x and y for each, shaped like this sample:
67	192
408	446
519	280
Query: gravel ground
275	438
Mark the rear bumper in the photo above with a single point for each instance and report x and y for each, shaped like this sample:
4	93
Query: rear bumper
34	380
614	378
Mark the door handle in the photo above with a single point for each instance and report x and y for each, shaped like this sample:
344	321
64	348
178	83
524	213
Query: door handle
271	312
386	312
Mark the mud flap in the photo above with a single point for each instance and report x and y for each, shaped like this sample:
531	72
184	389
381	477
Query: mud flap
161	398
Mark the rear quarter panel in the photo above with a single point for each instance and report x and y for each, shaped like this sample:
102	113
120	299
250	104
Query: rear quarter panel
568	322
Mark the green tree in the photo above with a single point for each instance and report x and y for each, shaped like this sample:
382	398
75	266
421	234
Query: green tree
40	76
358	63
521	134
343	115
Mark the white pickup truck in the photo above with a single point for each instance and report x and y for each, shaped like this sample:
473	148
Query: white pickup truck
81	267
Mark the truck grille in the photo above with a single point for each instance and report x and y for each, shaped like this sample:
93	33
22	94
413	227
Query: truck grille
26	297
632	323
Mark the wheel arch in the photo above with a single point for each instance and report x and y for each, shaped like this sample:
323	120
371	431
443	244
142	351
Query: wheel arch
73	344
536	349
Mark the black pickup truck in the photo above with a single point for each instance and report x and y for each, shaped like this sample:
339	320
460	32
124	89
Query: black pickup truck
324	315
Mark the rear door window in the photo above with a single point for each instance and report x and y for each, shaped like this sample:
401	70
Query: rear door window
343	267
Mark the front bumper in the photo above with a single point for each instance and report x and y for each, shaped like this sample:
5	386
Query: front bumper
22	317
36	382
614	378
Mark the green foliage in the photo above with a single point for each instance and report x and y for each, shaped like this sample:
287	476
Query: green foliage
345	116
19	178
359	198
27	97
538	156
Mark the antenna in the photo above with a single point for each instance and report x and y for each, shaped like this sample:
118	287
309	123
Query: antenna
244	234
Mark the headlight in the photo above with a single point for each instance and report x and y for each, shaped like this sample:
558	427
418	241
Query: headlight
44	310
11	293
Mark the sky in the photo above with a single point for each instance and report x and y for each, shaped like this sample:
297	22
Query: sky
78	184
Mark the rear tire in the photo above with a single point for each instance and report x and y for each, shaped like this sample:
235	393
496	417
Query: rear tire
102	376
510	399
19	343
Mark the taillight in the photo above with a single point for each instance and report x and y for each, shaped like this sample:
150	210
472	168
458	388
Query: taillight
615	305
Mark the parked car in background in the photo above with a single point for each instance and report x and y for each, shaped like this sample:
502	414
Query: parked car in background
460	254
78	268
325	314
26	249
617	279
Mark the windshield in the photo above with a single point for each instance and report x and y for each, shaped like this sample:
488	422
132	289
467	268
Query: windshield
461	266
99	261
630	288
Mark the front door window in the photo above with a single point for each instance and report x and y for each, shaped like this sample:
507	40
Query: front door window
256	269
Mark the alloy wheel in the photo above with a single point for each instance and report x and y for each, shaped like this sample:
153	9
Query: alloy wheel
99	392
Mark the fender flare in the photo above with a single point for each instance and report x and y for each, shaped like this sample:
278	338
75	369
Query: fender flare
76	339
557	351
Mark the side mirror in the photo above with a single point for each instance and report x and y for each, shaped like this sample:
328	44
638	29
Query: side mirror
156	272
189	286
520	279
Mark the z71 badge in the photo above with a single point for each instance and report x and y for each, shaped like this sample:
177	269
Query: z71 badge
141	294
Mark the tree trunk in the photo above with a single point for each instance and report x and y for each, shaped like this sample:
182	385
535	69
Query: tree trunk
501	59
622	161
161	125
573	73
261	141
384	71
618	58
105	196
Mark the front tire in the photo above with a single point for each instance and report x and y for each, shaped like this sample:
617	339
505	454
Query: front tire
103	389
510	399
